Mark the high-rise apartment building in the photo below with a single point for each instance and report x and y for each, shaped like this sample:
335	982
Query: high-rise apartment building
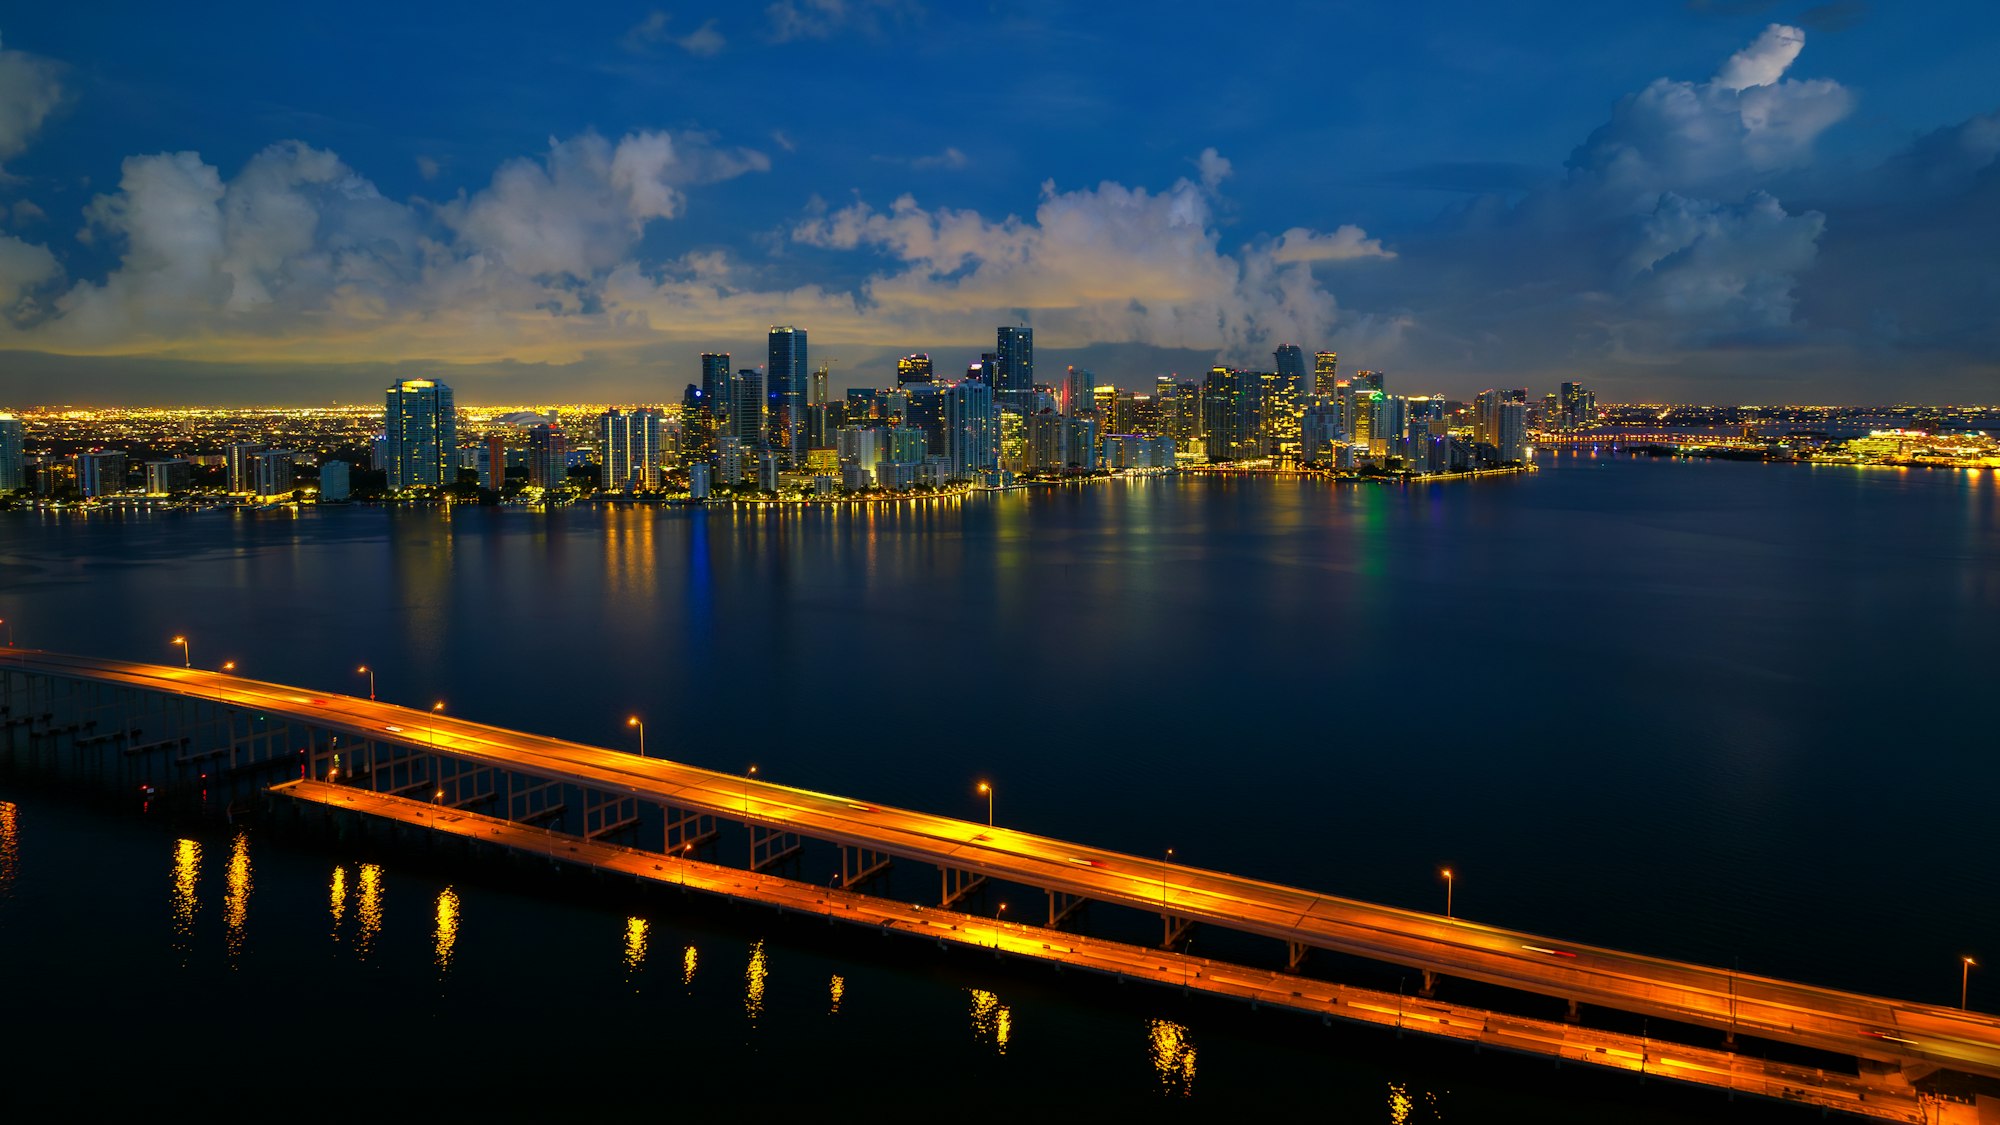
236	455
972	431
715	388
1326	372
164	478
1076	397
914	368
819	414
1486	417
548	457
422	424
271	472
697	426
100	474
1014	368
1579	406
1511	431
633	443
789	376
748	411
333	483
1291	362
13	442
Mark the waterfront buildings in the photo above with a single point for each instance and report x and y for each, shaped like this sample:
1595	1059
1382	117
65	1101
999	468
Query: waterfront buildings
271	473
422	424
788	373
12	474
166	478
100	474
632	445
333	480
1014	369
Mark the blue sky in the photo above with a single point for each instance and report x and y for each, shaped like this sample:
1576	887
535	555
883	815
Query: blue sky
1726	200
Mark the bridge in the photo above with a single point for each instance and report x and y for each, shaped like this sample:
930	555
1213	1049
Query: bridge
659	820
1542	440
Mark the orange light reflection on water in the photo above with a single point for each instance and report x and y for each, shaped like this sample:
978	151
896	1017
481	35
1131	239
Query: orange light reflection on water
368	910
236	895
181	886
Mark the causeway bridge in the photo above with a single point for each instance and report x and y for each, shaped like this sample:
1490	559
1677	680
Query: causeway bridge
342	756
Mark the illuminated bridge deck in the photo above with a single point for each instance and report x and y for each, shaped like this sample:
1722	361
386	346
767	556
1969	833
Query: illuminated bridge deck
1917	1038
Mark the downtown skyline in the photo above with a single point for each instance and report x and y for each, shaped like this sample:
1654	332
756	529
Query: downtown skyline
1744	202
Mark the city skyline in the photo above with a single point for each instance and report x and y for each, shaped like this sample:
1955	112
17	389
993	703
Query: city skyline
1725	203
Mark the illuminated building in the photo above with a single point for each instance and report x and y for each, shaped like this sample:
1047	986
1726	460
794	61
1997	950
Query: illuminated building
1320	432
748	412
164	478
634	448
819	428
548	457
12	475
1417	446
789	376
1485	417
1104	402
1511	432
1138	451
1578	405
1013	442
272	475
1222	414
1368	380
972	431
238	454
925	409
1291	363
731	460
697	426
914	368
333	480
100	474
698	480
1076	393
422	425
1326	372
860	448
1082	452
716	390
767	472
1046	449
1014	369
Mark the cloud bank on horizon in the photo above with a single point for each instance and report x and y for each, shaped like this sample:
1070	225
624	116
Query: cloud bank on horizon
1697	229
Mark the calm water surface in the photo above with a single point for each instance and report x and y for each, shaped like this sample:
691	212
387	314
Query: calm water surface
1737	713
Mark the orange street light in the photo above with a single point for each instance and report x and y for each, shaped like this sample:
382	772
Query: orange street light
436	709
229	666
997	915
187	655
752	772
988	790
635	721
365	670
1964	980
1446	872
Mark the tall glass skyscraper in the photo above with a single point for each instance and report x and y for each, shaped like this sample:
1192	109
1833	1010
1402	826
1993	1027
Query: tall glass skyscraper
715	385
12	476
1292	370
789	375
1014	374
422	428
1326	372
972	431
749	413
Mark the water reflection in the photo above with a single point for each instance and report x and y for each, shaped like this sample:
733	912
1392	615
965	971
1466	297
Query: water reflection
446	936
236	895
753	977
835	993
10	846
992	1021
1173	1056
368	910
337	898
187	865
687	966
1403	1105
635	949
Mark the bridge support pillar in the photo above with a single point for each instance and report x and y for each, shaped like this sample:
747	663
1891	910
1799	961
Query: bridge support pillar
1295	955
858	865
605	813
531	799
1430	984
956	885
1176	929
1061	906
686	830
1576	1016
770	847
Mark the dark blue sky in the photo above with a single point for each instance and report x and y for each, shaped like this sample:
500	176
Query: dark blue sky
1722	200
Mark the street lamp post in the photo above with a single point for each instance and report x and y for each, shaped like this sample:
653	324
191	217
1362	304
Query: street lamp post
365	670
229	666
1964	980
987	788
436	709
635	721
187	654
1446	872
997	916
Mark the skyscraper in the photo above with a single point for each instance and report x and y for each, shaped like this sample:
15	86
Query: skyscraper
788	375
1221	414
914	368
634	448
12	442
1511	431
100	474
697	426
237	455
1486	417
748	411
1014	370
272	470
715	387
422	428
1326	372
819	430
1292	370
972	431
1077	399
548	457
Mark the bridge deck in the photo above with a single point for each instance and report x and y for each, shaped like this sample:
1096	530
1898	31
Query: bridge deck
1570	1042
1893	1031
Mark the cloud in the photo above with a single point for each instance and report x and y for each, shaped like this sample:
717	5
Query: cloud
1215	168
581	208
651	32
24	268
30	90
26	213
1344	245
1106	264
820	19
429	167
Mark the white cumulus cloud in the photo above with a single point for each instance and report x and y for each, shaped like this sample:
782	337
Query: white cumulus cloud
30	90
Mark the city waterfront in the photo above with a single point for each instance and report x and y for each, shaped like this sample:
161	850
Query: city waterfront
1680	708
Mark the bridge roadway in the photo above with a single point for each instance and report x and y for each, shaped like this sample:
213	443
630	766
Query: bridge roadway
1917	1037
